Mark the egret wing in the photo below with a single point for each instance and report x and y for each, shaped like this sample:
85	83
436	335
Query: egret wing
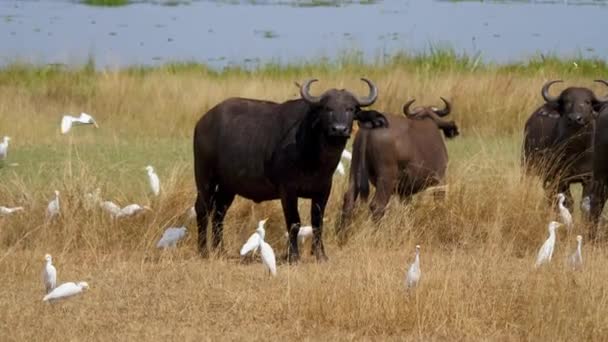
252	243
268	257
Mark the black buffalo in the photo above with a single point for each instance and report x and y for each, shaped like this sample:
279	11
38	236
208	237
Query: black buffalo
264	150
600	167
558	140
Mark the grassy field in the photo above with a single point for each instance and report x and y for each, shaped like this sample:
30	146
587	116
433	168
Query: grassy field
478	246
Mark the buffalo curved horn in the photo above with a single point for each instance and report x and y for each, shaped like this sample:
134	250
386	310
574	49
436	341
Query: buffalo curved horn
602	99
373	94
406	108
304	92
545	91
445	111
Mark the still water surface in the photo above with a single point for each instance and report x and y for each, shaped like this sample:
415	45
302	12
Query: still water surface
222	33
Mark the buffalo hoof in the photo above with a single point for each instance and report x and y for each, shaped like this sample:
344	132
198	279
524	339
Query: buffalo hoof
293	258
321	257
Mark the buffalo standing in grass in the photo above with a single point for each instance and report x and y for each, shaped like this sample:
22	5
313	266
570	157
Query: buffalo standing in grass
405	159
264	150
558	140
600	167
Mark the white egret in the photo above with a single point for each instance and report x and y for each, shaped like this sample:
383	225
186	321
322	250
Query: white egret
254	241
49	274
131	210
546	250
171	237
4	211
563	211
68	121
586	204
340	169
92	199
268	257
304	233
347	155
53	209
191	213
110	207
66	290
414	273
154	181
576	259
4	148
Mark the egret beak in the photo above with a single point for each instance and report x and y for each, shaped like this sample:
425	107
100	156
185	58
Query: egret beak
95	124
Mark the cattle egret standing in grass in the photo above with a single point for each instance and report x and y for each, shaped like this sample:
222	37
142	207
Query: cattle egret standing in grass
346	155
66	290
268	258
53	209
92	199
131	210
546	250
49	274
111	208
586	204
414	273
68	121
576	259
7	211
563	211
254	241
191	213
154	181
4	148
304	233
171	237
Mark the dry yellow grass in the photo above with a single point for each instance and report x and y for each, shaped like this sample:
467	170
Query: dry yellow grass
478	246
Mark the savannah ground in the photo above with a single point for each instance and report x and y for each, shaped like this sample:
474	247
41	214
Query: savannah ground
478	246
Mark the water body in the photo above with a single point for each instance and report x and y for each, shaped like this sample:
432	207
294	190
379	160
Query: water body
222	33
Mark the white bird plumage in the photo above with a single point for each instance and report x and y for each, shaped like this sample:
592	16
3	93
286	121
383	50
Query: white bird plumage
414	273
131	210
268	257
563	211
92	199
4	148
304	233
255	240
545	253
67	121
586	204
49	274
66	290
576	259
7	211
53	209
171	237
154	180
346	154
117	212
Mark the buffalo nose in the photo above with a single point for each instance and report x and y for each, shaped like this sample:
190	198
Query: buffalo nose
339	129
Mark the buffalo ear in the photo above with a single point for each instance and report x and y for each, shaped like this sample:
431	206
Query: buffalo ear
371	119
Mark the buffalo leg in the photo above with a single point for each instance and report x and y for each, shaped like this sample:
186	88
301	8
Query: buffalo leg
317	210
292	219
598	200
384	189
222	200
203	206
350	197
